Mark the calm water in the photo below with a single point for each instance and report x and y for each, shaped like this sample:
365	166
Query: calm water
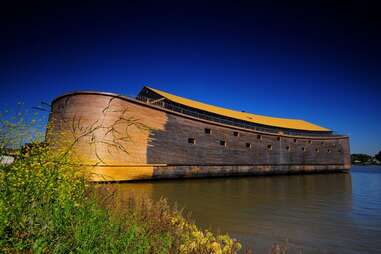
324	213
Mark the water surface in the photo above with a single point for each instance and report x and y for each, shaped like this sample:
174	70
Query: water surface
321	213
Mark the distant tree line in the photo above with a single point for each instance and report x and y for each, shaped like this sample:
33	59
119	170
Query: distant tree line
359	158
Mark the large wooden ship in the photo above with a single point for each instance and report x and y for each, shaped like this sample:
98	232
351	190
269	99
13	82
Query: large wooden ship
160	135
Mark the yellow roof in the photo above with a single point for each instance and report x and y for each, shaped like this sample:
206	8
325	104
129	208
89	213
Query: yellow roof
259	119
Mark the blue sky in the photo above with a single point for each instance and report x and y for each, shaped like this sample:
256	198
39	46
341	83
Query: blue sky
317	63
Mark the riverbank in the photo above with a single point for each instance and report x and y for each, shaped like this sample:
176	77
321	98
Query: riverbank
47	206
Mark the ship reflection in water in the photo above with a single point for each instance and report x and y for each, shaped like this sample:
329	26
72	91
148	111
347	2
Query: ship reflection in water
324	213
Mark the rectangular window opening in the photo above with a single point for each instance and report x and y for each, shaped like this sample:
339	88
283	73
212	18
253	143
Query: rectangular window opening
208	131
191	140
248	145
223	142
270	147
236	134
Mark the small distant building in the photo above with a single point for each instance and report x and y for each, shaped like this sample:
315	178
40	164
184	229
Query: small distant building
6	159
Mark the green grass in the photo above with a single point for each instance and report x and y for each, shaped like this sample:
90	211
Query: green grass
47	206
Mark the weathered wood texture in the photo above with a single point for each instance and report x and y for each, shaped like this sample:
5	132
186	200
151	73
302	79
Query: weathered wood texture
123	139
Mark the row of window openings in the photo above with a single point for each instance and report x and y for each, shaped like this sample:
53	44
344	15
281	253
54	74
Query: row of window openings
248	145
236	134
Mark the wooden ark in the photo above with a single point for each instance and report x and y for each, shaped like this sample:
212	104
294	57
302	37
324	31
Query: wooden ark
160	135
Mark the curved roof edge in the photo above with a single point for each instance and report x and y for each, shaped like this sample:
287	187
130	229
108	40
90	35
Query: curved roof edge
85	92
286	123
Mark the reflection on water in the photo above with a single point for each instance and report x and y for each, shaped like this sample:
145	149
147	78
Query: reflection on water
323	213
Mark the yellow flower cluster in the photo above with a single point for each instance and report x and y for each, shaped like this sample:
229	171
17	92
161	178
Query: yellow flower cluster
203	241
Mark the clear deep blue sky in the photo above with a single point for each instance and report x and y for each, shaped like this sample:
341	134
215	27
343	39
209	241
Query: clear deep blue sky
319	63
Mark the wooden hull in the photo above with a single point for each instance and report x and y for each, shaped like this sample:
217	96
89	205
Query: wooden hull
121	139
